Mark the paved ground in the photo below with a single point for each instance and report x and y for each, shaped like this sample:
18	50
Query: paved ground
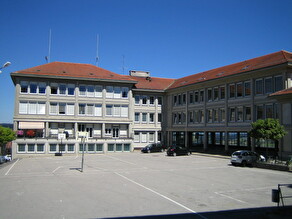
137	185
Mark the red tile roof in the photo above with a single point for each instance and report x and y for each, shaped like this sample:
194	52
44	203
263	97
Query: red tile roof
74	70
152	83
240	67
282	92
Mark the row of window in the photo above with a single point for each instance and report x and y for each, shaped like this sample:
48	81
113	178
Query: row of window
235	114
31	107
147	117
147	100
69	90
146	137
235	90
70	148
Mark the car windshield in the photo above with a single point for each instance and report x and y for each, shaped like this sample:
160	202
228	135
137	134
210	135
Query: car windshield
237	153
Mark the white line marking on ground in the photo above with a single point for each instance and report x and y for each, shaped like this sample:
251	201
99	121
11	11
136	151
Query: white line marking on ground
163	196
11	167
121	160
56	169
231	198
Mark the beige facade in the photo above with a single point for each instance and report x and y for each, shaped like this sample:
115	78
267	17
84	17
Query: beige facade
212	110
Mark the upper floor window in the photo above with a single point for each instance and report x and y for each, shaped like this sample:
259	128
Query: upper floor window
268	85
32	87
159	101
209	94
215	93
247	88
231	90
151	100
137	100
191	97
32	107
222	92
239	90
279	83
62	89
259	86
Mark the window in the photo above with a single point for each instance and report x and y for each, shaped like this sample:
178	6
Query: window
117	92
89	109
191	116
232	114
196	96
98	91
144	137
30	148
90	91
82	90
202	96
222	114
159	100
53	108
231	91
21	148
136	136
109	92
174	100
71	89
137	99
268	85
216	115
33	87
23	87
191	98
209	115
179	99
151	117
62	89
151	136
144	100
239	90
144	117
125	91
54	88
232	139
239	113
259	112
259	86
247	113
278	83
269	111
117	110
82	108
159	117
62	108
109	110
53	147
71	147
32	108
151	100
222	93
184	99
209	94
215	93
247	88
243	139
137	117
98	110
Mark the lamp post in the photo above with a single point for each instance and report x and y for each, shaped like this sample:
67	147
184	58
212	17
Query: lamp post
6	64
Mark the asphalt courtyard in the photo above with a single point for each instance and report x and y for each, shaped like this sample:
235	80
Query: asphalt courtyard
128	185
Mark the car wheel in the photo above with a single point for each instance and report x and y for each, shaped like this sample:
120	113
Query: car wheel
148	151
189	153
161	150
174	154
244	163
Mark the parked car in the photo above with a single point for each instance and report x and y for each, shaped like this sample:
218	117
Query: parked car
4	159
153	148
177	150
244	158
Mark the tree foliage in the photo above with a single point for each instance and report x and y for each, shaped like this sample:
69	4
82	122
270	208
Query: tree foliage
6	135
267	129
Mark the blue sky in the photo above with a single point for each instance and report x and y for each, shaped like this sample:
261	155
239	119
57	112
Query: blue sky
169	38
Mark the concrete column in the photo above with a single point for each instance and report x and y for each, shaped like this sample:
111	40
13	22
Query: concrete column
205	141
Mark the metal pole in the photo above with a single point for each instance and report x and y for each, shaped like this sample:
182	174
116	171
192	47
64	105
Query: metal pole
83	140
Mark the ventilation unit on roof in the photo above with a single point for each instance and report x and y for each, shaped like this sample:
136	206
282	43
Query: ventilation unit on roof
245	67
201	79
220	73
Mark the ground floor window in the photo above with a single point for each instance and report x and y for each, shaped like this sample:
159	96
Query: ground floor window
178	138
91	148
238	139
118	147
261	143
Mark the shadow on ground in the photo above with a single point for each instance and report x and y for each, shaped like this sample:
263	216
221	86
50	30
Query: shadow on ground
258	213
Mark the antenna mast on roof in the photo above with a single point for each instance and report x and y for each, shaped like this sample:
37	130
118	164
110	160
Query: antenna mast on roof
97	58
48	57
123	64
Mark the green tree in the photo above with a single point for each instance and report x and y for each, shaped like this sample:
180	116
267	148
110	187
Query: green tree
6	135
268	129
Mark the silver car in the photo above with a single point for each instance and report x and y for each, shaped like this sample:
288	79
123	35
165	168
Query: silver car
244	158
